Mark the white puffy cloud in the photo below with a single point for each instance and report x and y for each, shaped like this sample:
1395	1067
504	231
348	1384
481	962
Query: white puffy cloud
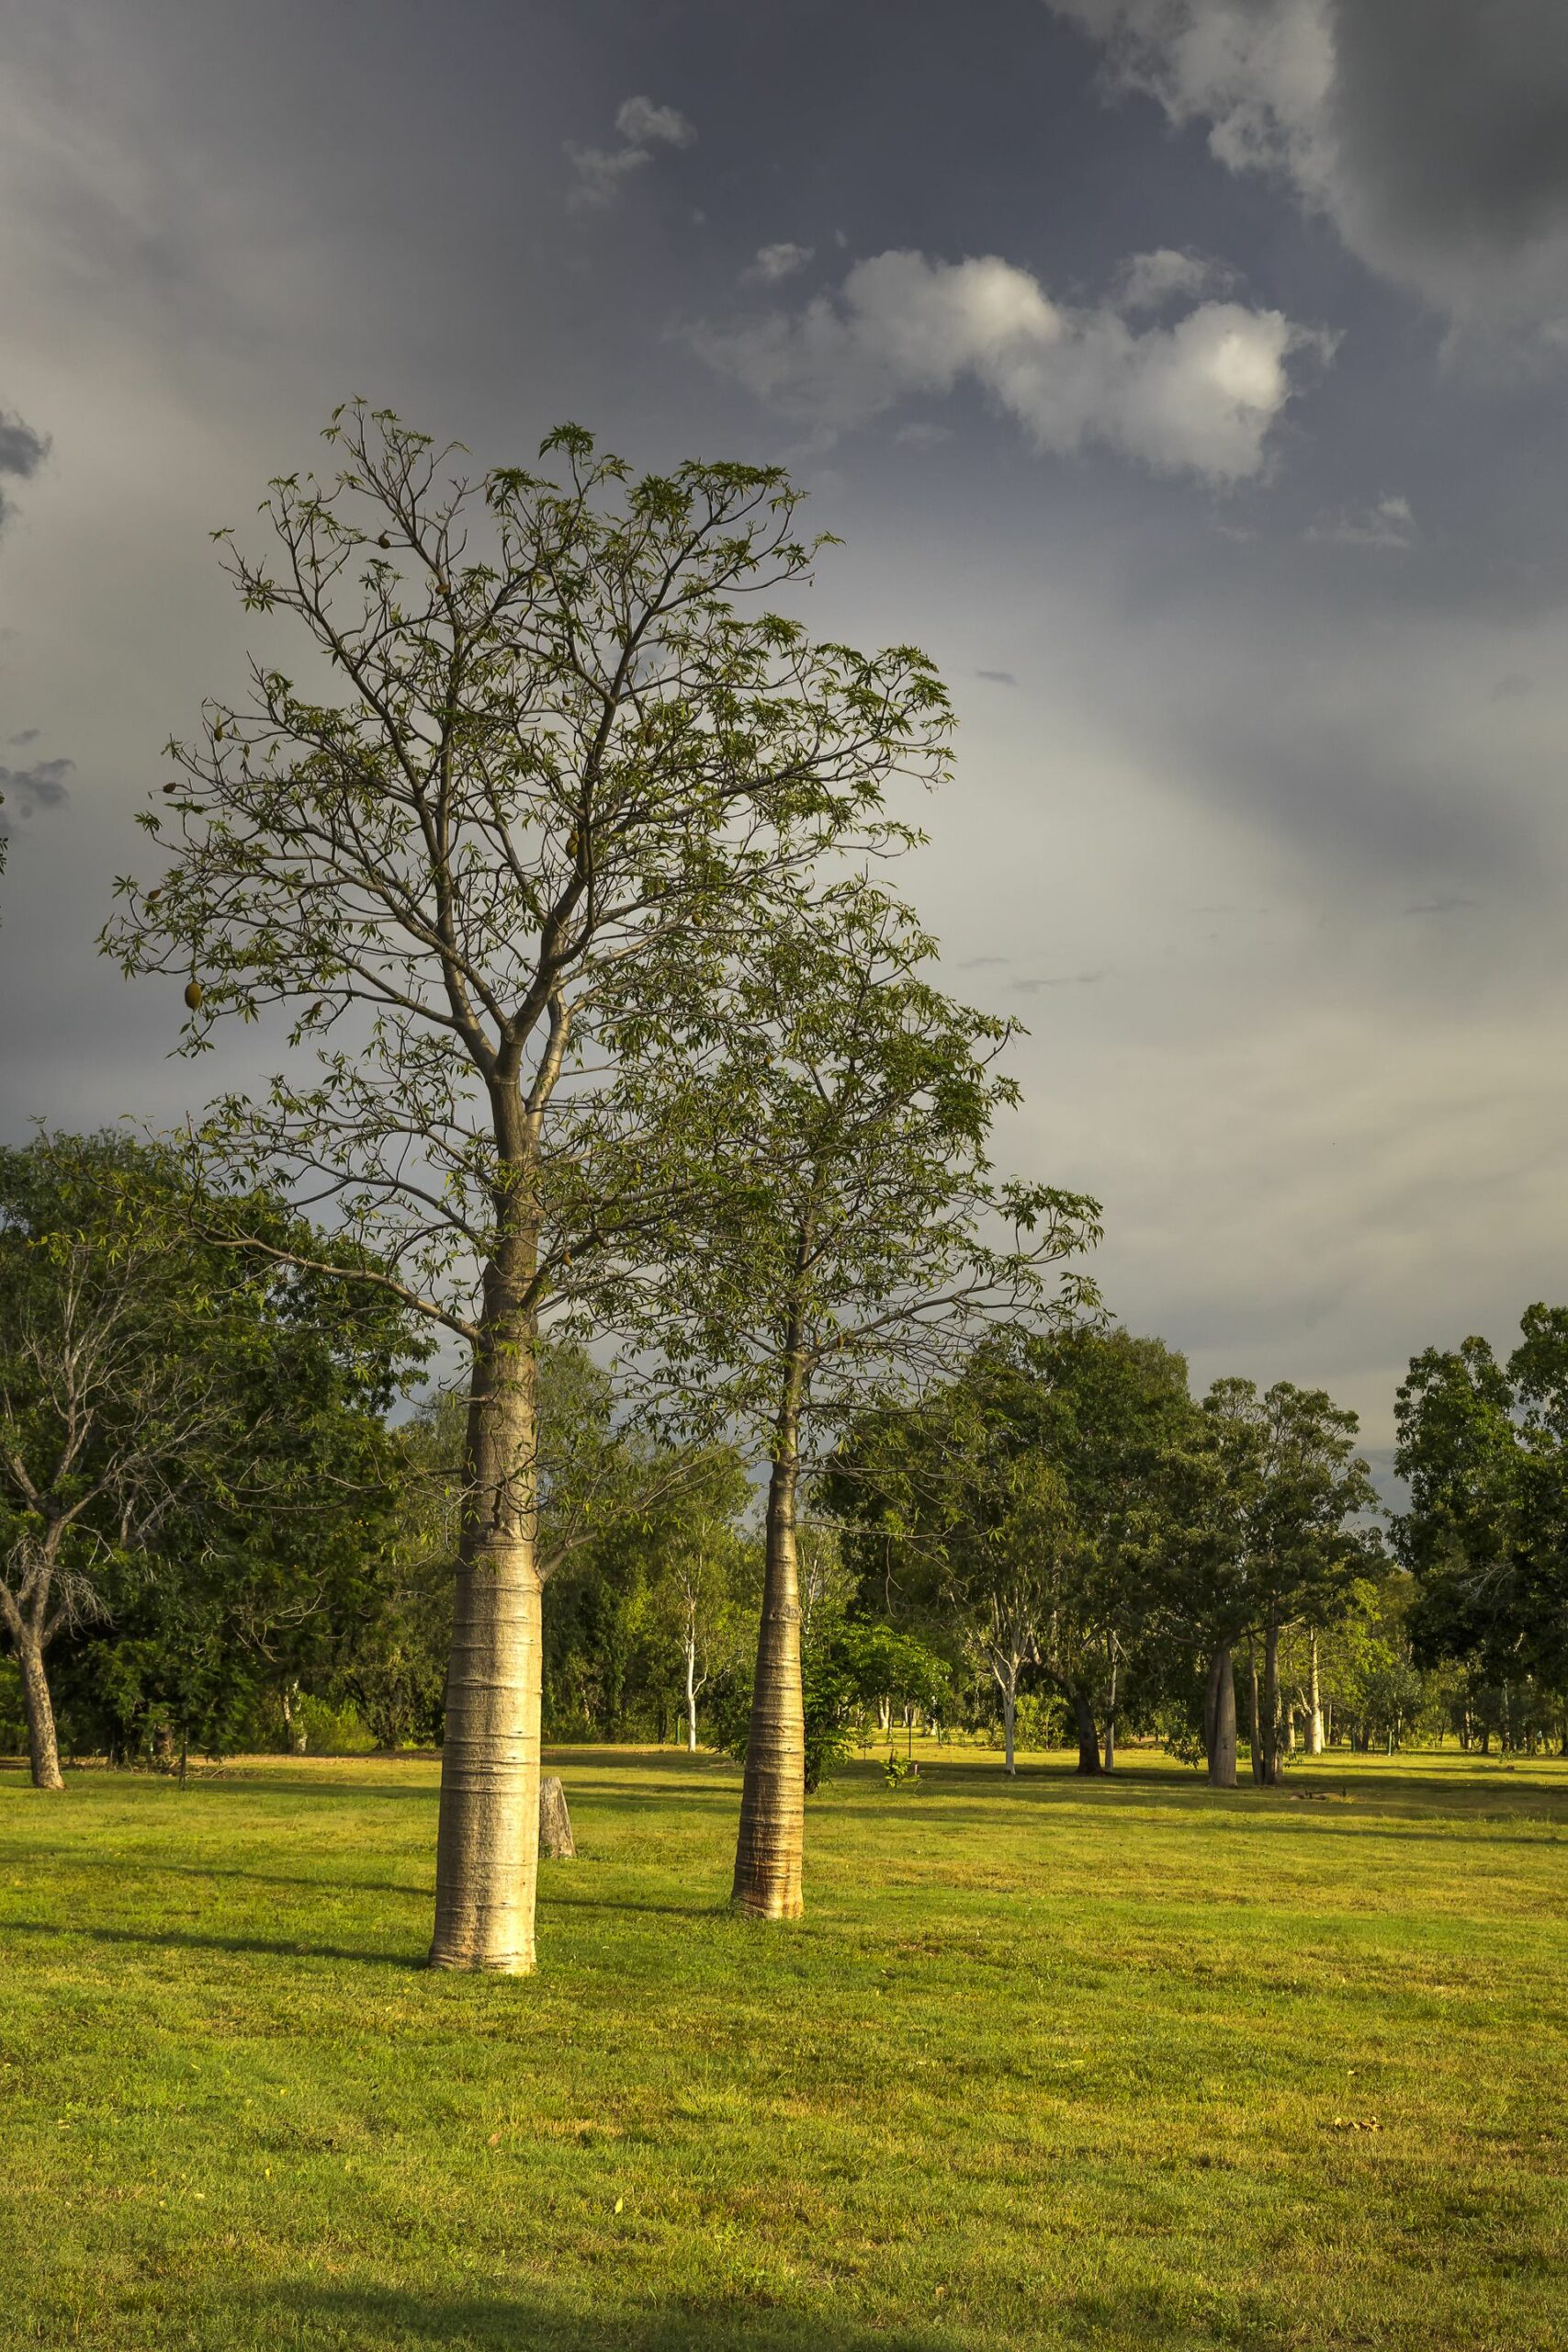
642	126
774	263
1194	395
1433	133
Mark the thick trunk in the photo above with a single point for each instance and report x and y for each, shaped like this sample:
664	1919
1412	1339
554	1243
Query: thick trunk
1111	1710
691	1694
487	1852
1314	1699
1220	1709
770	1848
1089	1736
44	1749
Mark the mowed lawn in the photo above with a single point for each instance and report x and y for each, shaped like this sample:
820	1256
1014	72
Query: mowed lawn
1047	2064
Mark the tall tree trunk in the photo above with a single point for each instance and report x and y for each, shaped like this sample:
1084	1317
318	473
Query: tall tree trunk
487	1852
293	1729
770	1849
691	1692
1089	1736
1272	1705
1314	1699
1255	1725
1010	1724
1111	1708
43	1750
1220	1709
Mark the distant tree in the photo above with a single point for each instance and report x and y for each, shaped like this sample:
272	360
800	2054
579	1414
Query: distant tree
1485	1449
854	1237
555	753
191	1449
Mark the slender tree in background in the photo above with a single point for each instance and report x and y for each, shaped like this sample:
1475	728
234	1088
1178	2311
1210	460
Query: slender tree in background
855	1240
554	754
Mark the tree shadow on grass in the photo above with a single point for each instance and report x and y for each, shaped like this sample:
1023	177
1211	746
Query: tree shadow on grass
371	2319
183	1939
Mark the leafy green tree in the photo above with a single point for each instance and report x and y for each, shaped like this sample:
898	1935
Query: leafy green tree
1021	1503
851	1237
191	1449
553	752
1485	1448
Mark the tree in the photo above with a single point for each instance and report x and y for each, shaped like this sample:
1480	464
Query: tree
1281	1541
1021	1501
852	1240
176	1430
558	754
1485	1448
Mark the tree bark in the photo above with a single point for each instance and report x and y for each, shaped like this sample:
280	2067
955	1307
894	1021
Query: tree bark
1255	1724
1271	1725
1220	1710
1111	1709
691	1693
769	1847
294	1731
1088	1736
487	1850
1314	1699
1010	1725
43	1750
555	1822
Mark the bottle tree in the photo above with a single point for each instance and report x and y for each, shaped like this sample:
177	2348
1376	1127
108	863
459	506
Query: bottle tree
851	1240
546	733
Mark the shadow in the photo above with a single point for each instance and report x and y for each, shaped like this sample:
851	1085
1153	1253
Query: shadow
381	2319
183	1939
329	1880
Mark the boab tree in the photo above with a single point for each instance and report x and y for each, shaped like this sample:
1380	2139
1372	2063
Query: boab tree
852	1240
539	749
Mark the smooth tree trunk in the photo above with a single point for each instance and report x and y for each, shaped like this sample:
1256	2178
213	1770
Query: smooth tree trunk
1271	1774
1111	1709
691	1693
43	1749
1314	1699
1089	1736
1010	1724
770	1848
487	1852
1255	1712
1220	1713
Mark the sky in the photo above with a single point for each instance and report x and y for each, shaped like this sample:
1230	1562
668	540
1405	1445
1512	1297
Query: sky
1188	378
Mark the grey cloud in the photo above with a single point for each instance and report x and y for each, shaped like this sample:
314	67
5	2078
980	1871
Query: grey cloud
1059	980
997	677
1434	133
774	263
39	786
643	127
1452	905
22	450
1388	523
24	735
1513	687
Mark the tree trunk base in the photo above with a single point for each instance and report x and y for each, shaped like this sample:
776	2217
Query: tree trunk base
555	1822
773	1907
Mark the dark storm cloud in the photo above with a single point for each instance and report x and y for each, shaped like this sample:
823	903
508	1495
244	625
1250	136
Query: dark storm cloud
22	450
1450	128
40	787
1434	133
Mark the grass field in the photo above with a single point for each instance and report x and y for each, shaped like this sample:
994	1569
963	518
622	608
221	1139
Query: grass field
1046	2064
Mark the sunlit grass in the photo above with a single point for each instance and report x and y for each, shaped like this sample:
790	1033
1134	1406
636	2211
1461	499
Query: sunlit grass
1047	2064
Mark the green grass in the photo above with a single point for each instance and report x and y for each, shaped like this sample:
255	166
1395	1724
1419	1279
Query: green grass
1046	2064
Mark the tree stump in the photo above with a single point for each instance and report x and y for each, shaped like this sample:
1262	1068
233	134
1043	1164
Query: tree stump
555	1822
